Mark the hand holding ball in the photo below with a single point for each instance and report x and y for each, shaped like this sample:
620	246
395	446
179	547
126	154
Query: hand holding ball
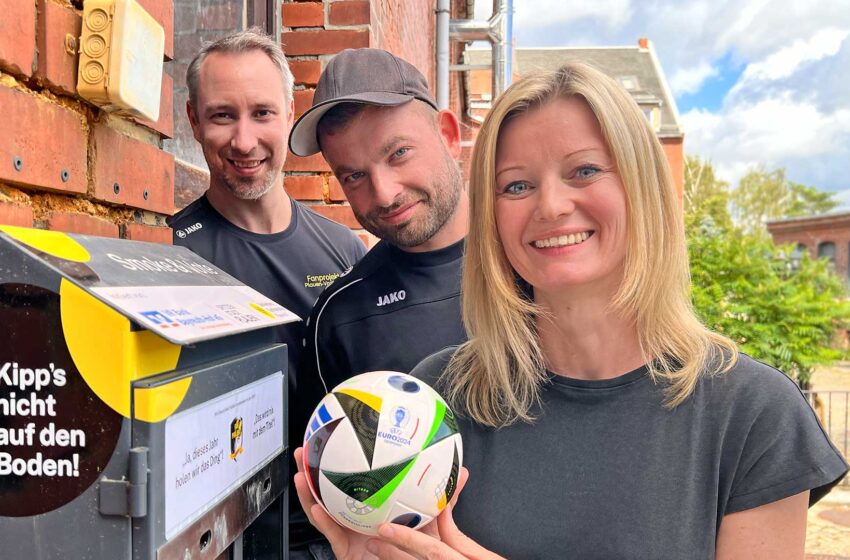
382	447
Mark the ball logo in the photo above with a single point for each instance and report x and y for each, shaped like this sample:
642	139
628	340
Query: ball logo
400	417
181	234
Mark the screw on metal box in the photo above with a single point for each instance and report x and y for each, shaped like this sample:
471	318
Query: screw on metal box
65	175
145	194
18	163
116	188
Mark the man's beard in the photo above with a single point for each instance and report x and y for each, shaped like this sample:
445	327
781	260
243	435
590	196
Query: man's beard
250	188
441	206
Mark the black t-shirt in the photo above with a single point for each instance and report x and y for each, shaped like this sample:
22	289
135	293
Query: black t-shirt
391	311
606	471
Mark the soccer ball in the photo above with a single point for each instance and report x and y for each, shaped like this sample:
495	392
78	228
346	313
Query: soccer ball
382	447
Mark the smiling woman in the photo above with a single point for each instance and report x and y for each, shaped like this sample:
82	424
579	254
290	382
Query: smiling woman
647	434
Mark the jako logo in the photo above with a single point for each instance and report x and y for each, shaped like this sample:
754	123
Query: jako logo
392	298
182	233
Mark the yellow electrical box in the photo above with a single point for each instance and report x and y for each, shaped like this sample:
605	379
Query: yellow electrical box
121	53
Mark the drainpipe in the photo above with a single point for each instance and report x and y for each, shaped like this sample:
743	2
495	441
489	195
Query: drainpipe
497	31
443	13
509	42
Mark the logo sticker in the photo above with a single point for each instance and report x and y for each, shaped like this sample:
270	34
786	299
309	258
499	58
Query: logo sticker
393	297
182	233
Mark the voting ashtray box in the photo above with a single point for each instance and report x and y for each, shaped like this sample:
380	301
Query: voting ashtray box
142	400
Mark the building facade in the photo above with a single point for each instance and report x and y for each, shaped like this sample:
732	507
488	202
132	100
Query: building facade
827	236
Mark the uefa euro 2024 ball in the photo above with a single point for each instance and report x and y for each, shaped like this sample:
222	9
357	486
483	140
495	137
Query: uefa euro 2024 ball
382	447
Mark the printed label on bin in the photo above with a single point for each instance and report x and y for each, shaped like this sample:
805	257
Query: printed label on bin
187	314
56	434
214	447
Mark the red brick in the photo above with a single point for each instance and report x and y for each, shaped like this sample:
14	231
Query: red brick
303	100
48	139
303	14
323	42
304	187
355	12
335	192
154	234
17	36
73	222
163	12
137	168
310	163
306	72
55	64
338	213
165	124
15	214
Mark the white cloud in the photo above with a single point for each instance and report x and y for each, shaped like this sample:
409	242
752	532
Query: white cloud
531	13
690	80
784	62
790	107
773	131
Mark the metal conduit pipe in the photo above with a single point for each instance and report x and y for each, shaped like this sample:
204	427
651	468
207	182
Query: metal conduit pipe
496	30
443	48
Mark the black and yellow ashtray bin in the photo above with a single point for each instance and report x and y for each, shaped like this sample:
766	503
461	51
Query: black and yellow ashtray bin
142	406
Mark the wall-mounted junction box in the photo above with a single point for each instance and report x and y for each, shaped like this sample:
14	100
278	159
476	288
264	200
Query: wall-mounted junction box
121	54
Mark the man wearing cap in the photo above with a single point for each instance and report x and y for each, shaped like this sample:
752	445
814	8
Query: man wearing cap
240	108
394	154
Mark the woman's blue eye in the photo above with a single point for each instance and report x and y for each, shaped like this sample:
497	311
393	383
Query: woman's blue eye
400	152
517	187
587	171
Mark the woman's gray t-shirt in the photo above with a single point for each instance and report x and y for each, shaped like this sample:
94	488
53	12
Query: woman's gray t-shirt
607	471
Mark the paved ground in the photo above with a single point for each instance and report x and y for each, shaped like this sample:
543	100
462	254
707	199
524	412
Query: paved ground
828	534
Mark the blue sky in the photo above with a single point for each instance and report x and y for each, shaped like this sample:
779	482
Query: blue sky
757	82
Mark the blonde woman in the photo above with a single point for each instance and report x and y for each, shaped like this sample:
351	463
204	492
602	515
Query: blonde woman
600	418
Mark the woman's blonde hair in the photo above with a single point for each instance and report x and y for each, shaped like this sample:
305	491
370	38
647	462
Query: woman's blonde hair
495	377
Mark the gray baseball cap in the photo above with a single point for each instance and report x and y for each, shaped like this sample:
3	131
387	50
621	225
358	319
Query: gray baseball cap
370	76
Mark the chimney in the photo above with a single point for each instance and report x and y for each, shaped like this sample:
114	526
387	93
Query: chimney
643	43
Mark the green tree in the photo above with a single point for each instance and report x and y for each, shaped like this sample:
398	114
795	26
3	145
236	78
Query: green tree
764	195
705	196
781	312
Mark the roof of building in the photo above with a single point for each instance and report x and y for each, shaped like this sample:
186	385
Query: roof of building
636	68
812	220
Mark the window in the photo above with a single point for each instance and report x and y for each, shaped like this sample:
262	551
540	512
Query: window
827	250
797	255
629	82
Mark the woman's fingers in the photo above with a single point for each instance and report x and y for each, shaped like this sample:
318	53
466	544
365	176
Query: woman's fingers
397	542
453	537
461	483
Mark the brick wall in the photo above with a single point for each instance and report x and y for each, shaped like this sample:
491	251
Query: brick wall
674	149
813	231
64	164
313	32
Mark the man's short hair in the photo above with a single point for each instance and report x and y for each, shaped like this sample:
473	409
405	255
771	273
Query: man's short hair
253	39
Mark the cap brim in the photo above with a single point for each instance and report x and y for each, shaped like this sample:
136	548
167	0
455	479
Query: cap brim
303	140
